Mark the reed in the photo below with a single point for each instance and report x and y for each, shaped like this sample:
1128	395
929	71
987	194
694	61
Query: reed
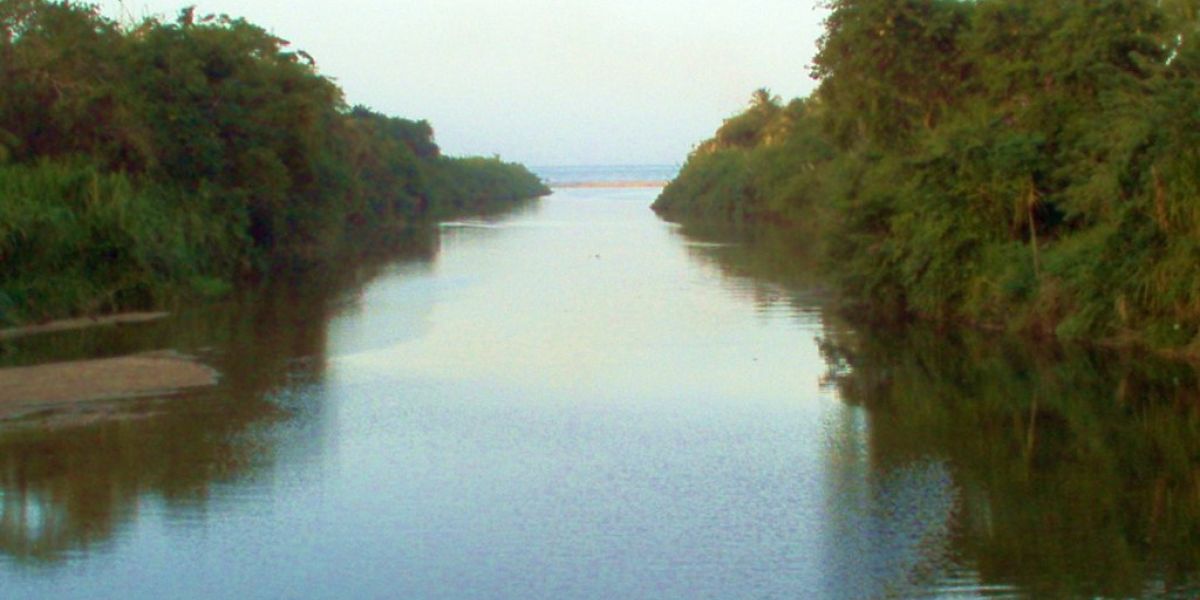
76	241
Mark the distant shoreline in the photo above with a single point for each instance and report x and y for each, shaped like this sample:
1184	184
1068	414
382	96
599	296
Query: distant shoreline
648	183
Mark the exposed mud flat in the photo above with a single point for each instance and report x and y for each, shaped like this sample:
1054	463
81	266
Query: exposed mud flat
81	323
26	391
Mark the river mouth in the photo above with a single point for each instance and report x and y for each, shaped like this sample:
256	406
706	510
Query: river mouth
579	400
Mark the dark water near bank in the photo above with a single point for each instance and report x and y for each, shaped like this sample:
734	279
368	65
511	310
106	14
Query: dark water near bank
580	401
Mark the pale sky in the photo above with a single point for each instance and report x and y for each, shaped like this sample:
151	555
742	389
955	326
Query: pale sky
546	82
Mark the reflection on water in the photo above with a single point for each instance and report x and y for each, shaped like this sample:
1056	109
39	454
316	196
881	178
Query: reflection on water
1076	469
771	267
580	401
1053	471
68	489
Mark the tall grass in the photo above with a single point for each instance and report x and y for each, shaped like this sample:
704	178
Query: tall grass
76	241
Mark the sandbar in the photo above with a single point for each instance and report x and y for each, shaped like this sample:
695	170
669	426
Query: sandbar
28	390
80	323
611	184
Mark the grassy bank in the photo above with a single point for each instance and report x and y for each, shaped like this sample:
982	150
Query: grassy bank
77	241
1021	165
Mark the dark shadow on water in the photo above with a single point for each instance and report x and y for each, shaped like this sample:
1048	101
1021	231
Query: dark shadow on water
1076	470
771	265
70	483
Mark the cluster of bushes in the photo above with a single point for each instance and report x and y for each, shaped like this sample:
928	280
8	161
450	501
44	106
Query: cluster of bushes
141	161
1032	165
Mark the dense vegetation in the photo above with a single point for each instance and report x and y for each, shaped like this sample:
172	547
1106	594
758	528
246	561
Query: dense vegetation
166	158
1017	163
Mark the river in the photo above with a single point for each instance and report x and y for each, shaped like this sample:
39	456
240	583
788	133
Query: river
578	400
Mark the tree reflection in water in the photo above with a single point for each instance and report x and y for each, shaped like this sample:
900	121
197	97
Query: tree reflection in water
1076	470
69	483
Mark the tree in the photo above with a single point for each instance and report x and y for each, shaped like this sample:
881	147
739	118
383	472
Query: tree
888	67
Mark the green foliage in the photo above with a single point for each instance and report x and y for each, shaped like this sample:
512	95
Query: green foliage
761	166
1018	163
477	184
890	66
752	127
165	156
716	184
74	239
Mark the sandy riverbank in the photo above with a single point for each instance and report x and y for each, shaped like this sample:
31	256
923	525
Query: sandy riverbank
81	323
651	183
29	390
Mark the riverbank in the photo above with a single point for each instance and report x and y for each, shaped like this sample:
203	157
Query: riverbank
633	184
67	386
1049	199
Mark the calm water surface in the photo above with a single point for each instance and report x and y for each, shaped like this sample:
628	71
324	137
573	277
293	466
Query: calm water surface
578	400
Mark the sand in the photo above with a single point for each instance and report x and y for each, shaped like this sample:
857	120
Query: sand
29	390
611	184
81	323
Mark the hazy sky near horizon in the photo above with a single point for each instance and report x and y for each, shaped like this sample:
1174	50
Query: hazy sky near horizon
545	82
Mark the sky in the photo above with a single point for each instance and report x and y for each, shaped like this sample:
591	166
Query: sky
545	82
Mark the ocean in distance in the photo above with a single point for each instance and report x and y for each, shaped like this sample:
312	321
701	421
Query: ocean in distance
577	175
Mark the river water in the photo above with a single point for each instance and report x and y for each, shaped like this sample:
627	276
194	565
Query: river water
578	400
